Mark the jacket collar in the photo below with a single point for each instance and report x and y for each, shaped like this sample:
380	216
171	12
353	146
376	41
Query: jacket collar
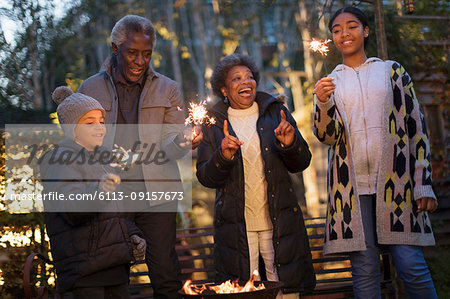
70	144
368	61
107	67
264	100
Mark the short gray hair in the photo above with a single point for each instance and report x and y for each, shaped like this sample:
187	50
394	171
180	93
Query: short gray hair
132	23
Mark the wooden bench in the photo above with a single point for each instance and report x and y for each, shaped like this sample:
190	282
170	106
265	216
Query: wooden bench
195	252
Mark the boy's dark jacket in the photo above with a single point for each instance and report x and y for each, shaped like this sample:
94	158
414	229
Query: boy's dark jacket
88	248
292	253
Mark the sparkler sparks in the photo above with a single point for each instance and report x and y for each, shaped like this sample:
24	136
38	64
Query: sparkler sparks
319	46
198	114
123	158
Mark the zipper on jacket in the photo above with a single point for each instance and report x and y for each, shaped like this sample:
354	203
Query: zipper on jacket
365	128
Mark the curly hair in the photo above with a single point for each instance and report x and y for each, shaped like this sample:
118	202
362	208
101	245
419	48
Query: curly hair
223	67
132	23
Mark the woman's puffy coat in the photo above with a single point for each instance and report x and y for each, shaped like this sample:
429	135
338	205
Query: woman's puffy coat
290	241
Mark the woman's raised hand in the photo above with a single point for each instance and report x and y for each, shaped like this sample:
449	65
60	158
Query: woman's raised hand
230	144
324	88
285	131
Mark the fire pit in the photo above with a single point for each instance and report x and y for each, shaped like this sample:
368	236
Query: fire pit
269	292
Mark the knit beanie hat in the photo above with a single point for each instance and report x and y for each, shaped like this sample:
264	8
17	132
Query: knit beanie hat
72	106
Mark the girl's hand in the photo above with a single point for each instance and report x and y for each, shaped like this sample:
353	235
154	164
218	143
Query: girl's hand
324	88
285	131
230	144
426	204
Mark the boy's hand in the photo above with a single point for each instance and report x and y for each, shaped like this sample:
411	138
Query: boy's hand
109	182
138	245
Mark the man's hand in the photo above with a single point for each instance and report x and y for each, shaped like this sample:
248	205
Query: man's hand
285	131
109	182
191	137
197	137
230	144
138	245
426	204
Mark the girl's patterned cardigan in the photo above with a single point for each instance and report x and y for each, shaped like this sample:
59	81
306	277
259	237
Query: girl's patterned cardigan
404	174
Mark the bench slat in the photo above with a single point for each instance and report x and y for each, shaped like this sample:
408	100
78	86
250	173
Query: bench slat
193	246
195	257
337	270
188	229
328	280
193	235
330	259
195	270
140	285
316	248
317	236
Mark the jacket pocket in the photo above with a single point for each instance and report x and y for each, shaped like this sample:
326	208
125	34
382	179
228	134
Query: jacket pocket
153	111
154	102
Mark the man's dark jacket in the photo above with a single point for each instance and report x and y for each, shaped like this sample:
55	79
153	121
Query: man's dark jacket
292	253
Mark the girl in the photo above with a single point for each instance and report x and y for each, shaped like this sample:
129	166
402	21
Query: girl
379	172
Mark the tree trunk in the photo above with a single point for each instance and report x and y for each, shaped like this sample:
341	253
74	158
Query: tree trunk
203	55
255	45
173	46
302	20
379	29
281	47
33	47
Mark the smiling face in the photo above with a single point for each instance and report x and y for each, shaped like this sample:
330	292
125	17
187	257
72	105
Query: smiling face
348	35
133	56
240	87
90	130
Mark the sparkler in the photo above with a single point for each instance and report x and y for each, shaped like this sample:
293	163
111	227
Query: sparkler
198	115
319	46
123	158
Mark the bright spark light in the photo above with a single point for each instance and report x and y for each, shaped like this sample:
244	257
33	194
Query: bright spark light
123	158
319	46
198	115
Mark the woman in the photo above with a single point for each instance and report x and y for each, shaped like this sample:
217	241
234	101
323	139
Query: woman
247	156
379	163
92	250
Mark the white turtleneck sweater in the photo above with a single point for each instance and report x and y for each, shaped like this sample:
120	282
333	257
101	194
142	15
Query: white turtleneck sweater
256	212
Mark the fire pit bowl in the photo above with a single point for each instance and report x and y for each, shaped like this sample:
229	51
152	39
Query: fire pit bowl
270	292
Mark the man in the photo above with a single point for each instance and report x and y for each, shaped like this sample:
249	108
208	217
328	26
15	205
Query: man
132	93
